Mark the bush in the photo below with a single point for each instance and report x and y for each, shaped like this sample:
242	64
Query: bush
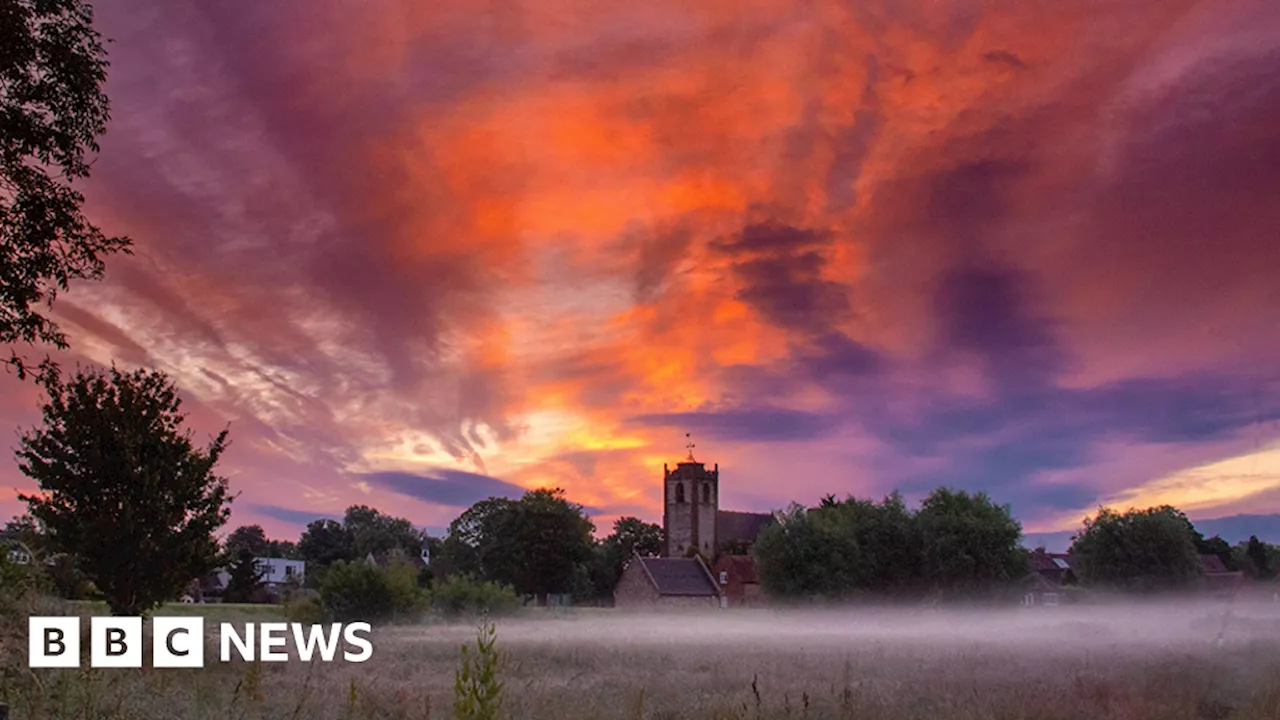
408	599
360	591
462	595
356	591
305	609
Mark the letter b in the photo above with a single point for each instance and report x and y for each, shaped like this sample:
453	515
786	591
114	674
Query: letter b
115	642
53	642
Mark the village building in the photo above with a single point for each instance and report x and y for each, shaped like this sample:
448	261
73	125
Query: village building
1218	580
692	521
651	583
696	534
739	586
1054	567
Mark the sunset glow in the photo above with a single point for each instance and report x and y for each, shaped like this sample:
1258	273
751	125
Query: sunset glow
420	254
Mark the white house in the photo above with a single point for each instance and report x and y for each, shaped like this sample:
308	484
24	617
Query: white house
278	570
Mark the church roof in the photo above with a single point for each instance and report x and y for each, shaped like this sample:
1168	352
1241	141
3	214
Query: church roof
679	576
740	526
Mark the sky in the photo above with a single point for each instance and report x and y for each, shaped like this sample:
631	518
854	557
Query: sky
417	254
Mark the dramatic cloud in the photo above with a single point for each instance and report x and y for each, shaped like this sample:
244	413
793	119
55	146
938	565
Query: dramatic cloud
420	254
453	488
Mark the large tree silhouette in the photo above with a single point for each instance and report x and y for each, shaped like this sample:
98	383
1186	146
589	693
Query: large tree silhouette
52	110
122	488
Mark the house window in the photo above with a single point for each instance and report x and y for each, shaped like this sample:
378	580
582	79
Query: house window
288	571
706	494
679	492
724	577
1051	599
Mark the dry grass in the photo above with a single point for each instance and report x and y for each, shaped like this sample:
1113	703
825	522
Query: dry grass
1158	662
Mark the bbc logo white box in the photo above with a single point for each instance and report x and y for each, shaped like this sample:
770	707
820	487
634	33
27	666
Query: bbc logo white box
53	642
177	642
115	642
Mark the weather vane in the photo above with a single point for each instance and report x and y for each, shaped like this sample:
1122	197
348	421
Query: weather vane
689	446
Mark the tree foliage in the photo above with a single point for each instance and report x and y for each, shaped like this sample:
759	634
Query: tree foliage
535	544
246	538
630	536
1141	550
969	542
372	532
460	594
283	549
325	542
357	590
1215	546
52	110
122	489
472	537
362	531
245	584
1257	559
956	543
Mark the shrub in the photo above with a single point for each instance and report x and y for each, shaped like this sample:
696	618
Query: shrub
304	609
360	591
477	694
356	591
407	597
463	595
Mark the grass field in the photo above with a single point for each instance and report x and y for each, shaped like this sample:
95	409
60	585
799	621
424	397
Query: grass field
1158	662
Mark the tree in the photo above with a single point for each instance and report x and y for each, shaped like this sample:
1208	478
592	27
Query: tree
839	549
283	549
325	542
373	532
1144	550
246	577
1215	546
535	544
52	110
357	591
630	536
969	543
246	538
471	537
956	543
1258	559
542	540
122	489
806	554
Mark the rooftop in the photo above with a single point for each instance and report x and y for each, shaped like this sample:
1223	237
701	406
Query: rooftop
678	576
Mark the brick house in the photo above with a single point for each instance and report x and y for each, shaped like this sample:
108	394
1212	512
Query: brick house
736	576
1054	567
652	583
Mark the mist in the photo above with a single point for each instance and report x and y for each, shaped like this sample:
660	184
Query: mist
1140	626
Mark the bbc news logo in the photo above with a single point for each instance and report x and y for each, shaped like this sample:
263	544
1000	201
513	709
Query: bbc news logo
178	642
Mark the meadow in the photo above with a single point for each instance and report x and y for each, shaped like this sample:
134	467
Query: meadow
1157	661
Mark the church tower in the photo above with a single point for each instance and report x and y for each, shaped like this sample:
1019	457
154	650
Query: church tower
691	498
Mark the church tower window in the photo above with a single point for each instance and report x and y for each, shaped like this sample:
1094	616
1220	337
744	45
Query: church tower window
679	492
706	494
